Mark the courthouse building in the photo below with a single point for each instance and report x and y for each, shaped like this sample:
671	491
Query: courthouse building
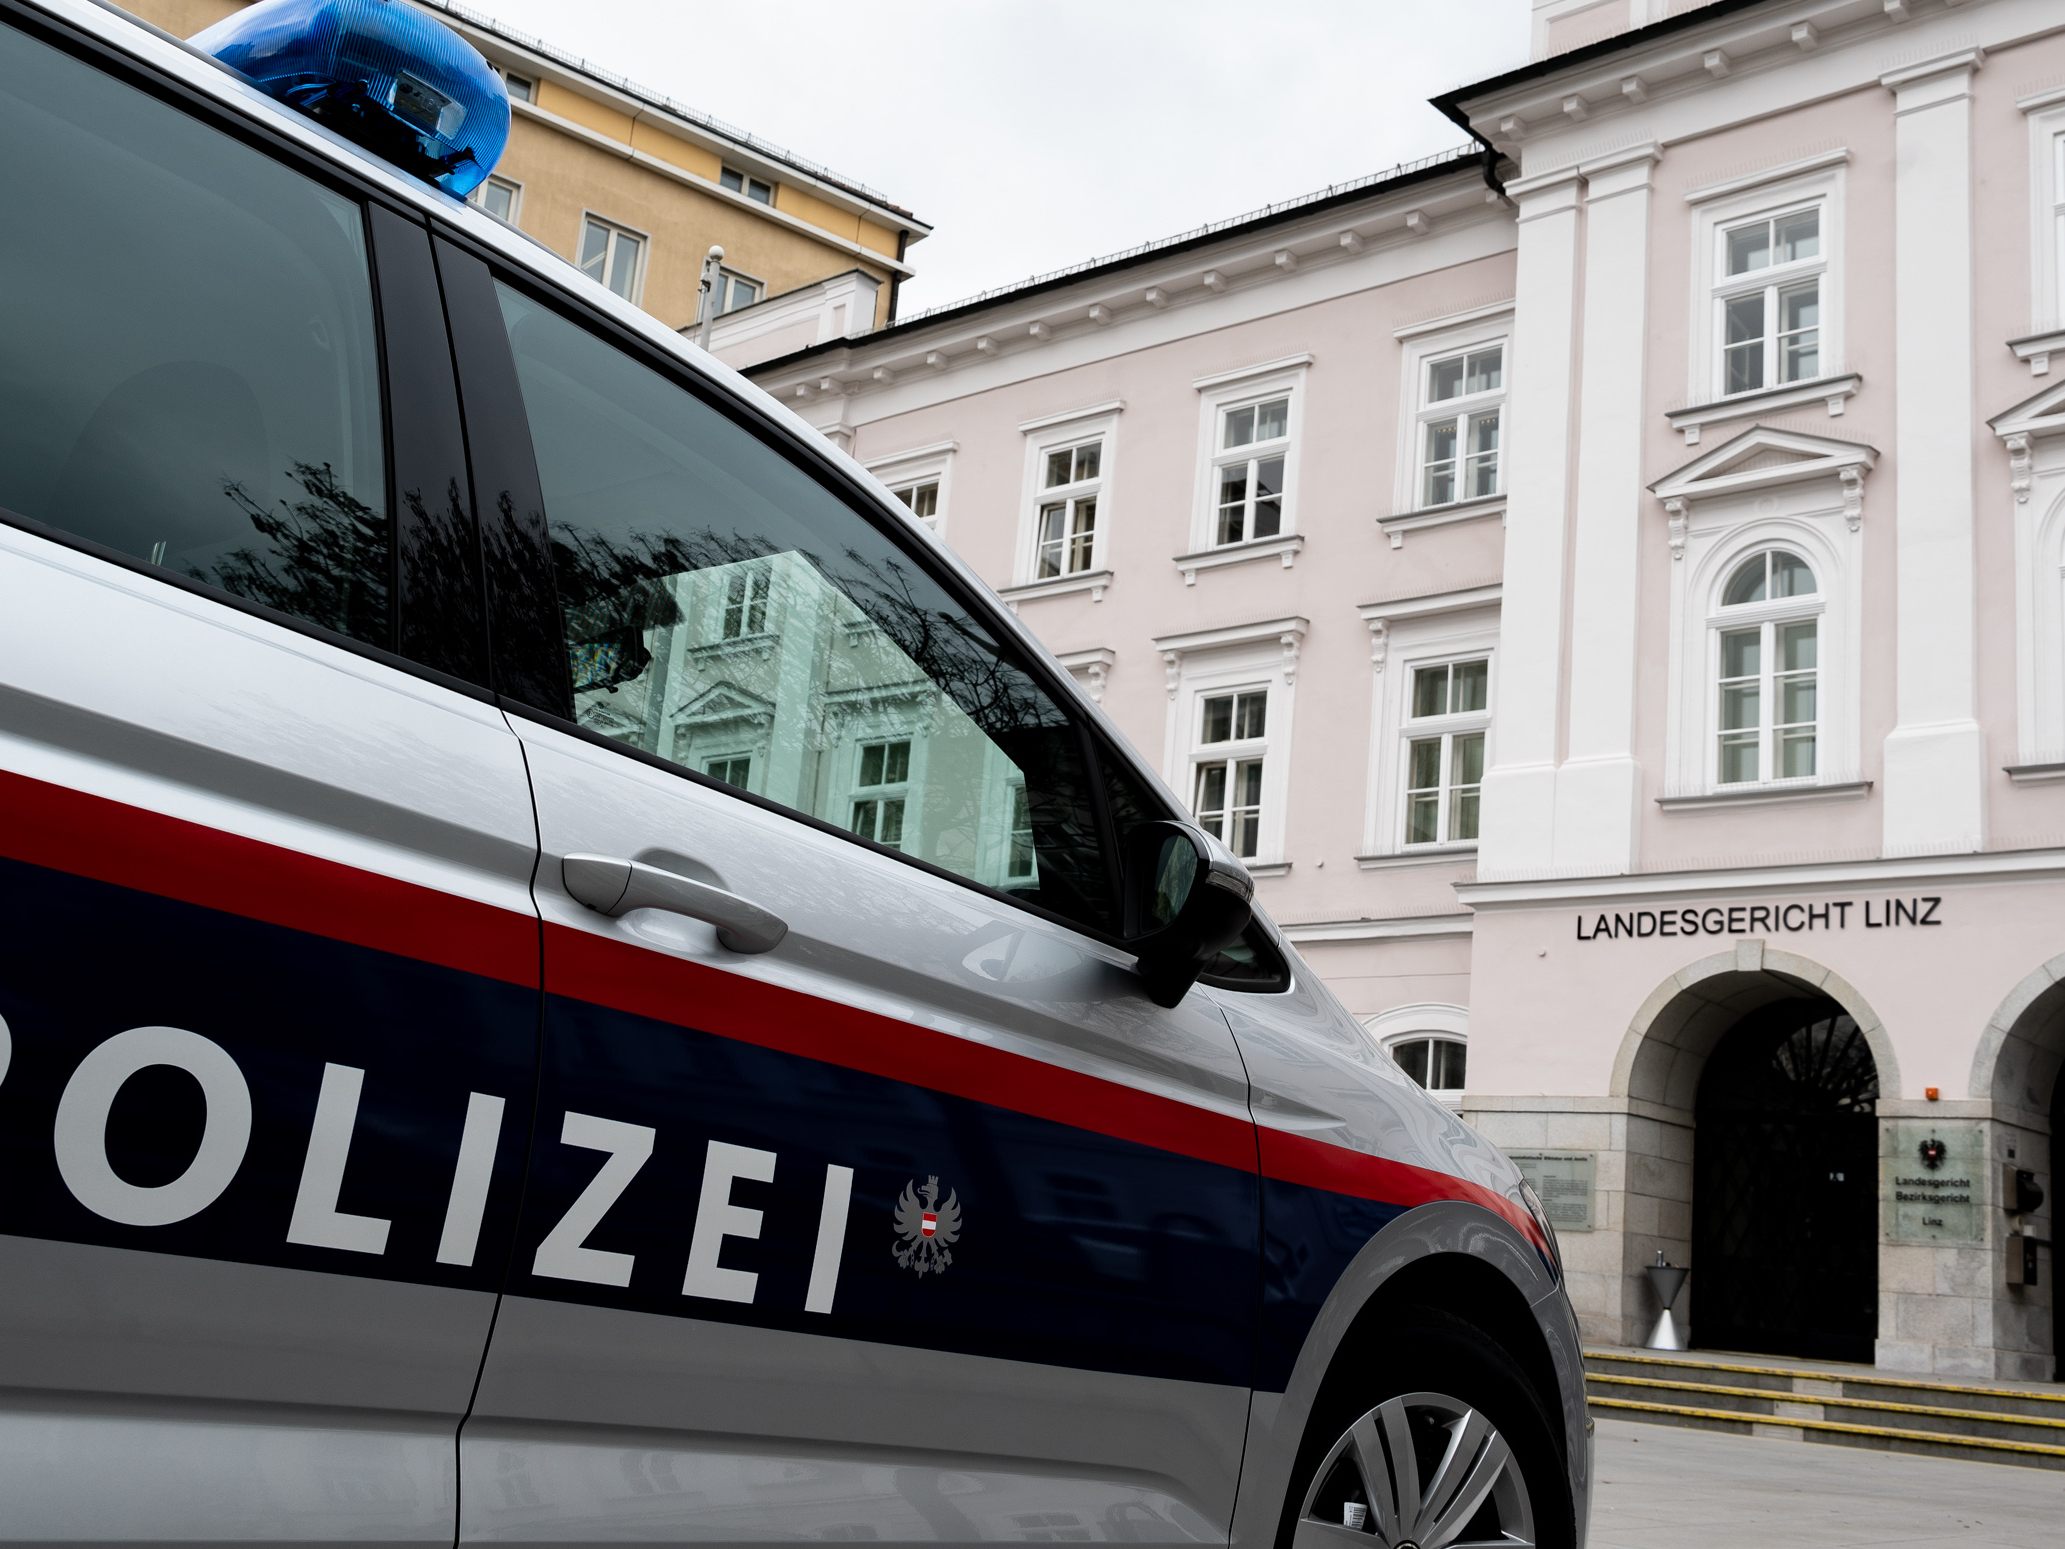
1609	582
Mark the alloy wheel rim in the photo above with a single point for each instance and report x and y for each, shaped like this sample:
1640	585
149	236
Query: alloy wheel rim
1420	1471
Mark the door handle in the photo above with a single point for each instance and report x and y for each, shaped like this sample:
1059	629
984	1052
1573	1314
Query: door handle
613	886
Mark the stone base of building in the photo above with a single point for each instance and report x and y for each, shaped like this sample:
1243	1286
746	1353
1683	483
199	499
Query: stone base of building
1945	1307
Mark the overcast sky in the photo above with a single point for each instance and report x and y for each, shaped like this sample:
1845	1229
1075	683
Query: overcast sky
1033	135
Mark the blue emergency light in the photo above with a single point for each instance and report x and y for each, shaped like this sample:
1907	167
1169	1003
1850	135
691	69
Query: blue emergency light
379	72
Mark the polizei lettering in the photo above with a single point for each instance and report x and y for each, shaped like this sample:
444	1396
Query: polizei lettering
1761	919
111	1089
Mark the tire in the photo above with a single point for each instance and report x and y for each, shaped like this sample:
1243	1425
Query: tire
1480	1454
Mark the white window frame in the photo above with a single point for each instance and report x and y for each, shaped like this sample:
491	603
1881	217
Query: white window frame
1246	656
1770	285
1042	438
757	577
753	759
1766	618
1219	395
727	280
618	232
1430	1019
2047	213
1736	205
2033	434
529	91
1447	727
1406	636
478	197
747	183
1230	755
1420	349
1815	508
905	470
909	790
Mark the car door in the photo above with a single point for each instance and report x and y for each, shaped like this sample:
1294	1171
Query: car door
870	1198
268	964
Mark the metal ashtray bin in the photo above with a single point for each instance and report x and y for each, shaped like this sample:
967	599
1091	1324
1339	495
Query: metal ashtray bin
1667	1281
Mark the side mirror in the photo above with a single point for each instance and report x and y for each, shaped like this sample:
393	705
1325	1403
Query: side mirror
1187	900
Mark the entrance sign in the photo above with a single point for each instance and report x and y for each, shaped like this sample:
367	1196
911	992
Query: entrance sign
1562	1180
1934	1181
1762	919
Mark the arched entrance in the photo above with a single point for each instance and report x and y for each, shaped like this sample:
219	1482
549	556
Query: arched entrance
2021	1068
1785	1185
1730	1071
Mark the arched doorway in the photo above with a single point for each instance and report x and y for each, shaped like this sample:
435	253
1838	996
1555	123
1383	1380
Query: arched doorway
2021	1067
1686	1025
1785	1185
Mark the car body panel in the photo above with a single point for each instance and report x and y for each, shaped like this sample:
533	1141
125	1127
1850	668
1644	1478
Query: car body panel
315	866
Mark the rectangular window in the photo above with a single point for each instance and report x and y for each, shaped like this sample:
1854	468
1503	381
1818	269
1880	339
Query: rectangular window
1444	753
1769	712
923	499
499	197
880	791
1066	539
612	256
1462	399
1248	470
735	290
755	189
1232	749
735	771
1767	299
1018	858
746	589
521	87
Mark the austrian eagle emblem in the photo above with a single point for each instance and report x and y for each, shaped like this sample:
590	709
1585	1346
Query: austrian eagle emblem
925	1229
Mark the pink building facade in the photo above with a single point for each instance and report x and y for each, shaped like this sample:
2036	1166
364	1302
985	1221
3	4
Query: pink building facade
1610	584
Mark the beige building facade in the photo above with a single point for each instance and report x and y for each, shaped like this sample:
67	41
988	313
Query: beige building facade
637	188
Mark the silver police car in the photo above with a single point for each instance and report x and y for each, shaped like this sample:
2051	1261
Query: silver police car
567	975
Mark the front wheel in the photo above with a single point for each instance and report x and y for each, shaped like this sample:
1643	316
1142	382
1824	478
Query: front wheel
1458	1456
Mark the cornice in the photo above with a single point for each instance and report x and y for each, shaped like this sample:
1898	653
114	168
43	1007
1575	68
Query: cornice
1114	305
1639	86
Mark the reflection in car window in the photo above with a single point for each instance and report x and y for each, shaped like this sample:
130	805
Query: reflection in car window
726	612
188	372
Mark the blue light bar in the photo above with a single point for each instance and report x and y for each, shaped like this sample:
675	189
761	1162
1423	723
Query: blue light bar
382	74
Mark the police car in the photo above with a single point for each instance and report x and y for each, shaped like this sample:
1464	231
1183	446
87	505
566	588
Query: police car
568	975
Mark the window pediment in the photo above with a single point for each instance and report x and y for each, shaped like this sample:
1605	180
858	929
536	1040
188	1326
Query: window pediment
2036	418
1762	458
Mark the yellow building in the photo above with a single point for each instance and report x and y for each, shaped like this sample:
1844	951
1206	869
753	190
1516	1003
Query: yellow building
636	188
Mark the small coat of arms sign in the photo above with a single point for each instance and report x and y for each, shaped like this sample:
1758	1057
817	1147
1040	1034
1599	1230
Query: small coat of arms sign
926	1230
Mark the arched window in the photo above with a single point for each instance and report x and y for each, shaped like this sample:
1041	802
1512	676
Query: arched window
1767	672
1435	1060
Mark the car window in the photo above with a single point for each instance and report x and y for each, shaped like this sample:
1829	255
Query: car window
726	612
188	367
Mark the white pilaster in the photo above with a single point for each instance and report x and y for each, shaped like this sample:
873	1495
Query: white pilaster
1935	764
1599	787
1518	831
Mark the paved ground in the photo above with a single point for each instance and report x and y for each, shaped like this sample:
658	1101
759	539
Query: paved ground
1660	1487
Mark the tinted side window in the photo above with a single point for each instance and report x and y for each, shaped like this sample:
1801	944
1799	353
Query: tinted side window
728	613
188	370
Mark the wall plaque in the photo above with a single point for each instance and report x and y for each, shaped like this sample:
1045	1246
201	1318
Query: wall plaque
1932	1181
1563	1181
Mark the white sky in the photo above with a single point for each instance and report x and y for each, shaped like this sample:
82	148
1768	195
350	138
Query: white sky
1033	135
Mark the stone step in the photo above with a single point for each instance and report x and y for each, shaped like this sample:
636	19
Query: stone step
1936	1419
1830	1379
1822	1402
